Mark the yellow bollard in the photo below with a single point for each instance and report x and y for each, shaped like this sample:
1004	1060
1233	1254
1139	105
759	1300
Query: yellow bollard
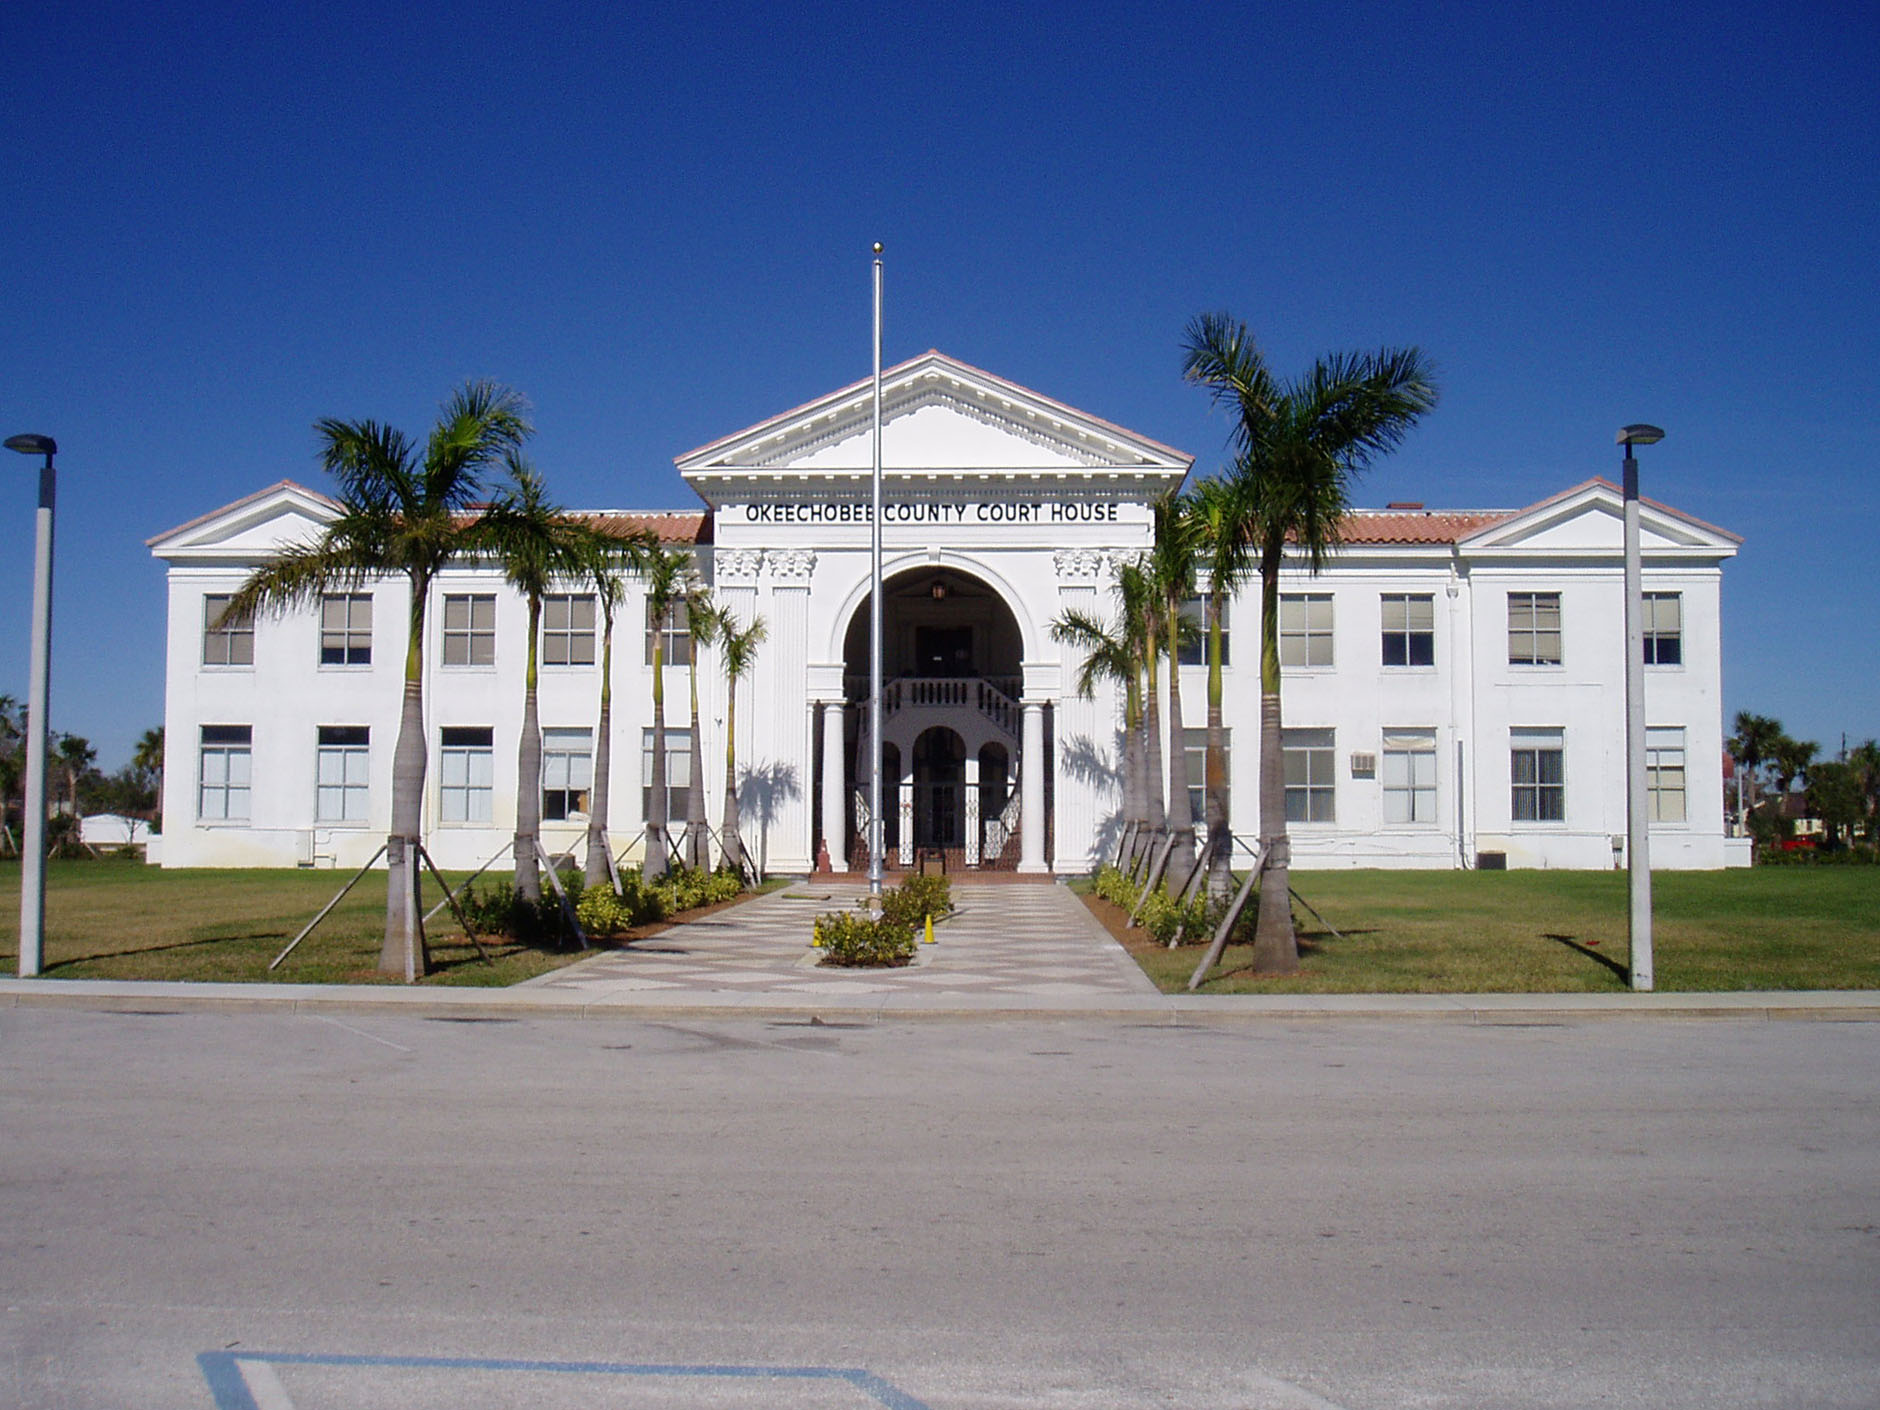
929	936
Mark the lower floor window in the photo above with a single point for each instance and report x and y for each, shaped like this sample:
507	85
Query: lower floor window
1309	762
567	773
678	772
342	774
1537	766
1195	747
223	781
466	773
1664	771
1410	776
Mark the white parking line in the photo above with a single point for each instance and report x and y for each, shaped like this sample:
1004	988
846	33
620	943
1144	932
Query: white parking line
264	1386
361	1033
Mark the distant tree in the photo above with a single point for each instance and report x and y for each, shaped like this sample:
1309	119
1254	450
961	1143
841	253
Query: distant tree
702	625
1114	652
148	761
130	793
665	572
1222	520
404	512
1864	759
1751	747
1790	760
1299	446
74	756
611	555
738	650
1834	796
1172	573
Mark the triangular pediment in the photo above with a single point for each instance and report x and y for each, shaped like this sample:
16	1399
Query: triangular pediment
940	417
1590	518
252	527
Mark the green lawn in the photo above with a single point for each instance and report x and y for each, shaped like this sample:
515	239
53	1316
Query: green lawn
1560	931
124	920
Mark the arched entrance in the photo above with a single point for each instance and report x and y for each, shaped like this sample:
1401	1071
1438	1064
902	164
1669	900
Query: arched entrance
952	723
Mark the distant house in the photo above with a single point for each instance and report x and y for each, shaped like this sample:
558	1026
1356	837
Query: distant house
112	830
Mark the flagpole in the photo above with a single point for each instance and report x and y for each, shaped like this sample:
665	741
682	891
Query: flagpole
877	831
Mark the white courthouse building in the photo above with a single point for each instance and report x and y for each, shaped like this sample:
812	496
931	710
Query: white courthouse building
1453	689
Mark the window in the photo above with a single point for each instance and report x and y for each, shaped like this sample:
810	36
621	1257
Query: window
1309	761
226	643
1410	775
1305	629
469	631
675	640
346	629
1534	629
465	774
567	773
568	631
1195	652
1409	629
1664	629
223	780
1195	747
1664	771
1538	769
678	772
342	783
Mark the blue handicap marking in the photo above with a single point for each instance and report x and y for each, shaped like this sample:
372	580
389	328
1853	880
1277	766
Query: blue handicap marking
283	1380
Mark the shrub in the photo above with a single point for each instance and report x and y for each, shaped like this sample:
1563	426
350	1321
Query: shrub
1115	888
1162	916
858	940
918	897
497	910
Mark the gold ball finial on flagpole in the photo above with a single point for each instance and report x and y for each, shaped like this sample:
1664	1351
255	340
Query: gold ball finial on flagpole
877	247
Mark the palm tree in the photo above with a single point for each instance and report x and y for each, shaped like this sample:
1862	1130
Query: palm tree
75	755
1299	445
403	513
665	574
1172	572
738	646
1751	746
537	544
1791	759
1113	651
1864	759
701	624
148	760
1220	512
1137	585
611	555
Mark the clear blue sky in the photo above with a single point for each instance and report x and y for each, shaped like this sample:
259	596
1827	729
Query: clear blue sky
225	221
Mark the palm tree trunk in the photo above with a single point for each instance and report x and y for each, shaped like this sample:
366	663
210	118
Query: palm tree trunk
697	852
1275	947
595	873
529	774
403	949
1153	811
1181	817
655	864
1220	839
1135	806
732	842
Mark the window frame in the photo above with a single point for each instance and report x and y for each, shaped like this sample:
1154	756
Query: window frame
1409	634
1658	770
1657	638
350	746
1538	743
1316	792
1195	751
234	742
564	640
1307	636
238	629
678	636
352	652
678	771
471	744
470	634
1535	632
1195	609
1415	745
559	795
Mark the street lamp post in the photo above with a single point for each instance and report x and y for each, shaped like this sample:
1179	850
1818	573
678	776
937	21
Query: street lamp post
1637	822
33	844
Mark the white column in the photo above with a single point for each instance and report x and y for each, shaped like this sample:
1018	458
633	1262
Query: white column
835	803
1031	807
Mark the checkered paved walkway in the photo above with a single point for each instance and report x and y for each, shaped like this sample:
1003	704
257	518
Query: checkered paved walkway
1006	942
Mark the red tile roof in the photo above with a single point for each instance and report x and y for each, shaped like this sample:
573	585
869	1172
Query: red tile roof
1419	525
667	526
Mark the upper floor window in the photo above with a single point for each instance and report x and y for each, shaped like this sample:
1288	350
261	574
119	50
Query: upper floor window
1192	650
342	773
1409	629
223	777
1664	771
1538	771
1664	629
1534	629
568	630
466	773
1410	776
1308	757
672	634
567	773
346	629
1305	629
226	641
469	630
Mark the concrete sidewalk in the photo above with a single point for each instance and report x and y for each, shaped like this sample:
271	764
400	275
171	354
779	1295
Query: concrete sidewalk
1010	951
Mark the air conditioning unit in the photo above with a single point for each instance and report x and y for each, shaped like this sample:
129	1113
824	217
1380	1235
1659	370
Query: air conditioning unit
1364	766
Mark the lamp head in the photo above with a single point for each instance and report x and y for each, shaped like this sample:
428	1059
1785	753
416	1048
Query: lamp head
32	445
1640	435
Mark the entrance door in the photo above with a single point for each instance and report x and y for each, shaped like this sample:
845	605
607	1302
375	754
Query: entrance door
943	651
939	788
